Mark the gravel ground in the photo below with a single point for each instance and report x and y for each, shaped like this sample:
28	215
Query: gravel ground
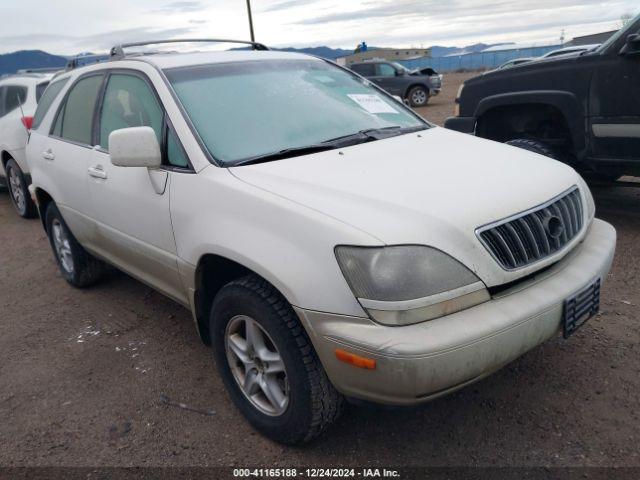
83	375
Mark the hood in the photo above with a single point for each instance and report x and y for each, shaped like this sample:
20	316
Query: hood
433	187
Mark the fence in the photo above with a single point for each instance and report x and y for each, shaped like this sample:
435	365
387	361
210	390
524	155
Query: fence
476	61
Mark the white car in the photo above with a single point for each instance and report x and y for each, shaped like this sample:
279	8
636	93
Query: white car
329	242
19	96
574	50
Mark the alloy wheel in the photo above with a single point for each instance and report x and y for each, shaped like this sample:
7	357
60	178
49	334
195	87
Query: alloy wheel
62	245
419	97
17	193
256	365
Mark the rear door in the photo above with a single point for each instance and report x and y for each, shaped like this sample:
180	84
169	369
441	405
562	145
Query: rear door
131	204
65	154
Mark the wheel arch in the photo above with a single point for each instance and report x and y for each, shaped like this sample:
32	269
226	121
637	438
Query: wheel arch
417	84
43	199
213	272
565	103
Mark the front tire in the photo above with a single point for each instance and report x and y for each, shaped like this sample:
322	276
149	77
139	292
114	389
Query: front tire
418	97
78	267
268	364
18	191
535	146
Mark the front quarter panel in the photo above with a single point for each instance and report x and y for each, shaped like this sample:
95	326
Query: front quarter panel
289	245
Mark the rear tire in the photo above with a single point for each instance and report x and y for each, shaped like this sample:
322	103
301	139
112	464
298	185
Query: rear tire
302	402
535	146
418	97
19	191
78	267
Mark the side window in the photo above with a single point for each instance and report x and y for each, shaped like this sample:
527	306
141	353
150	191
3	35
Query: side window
129	102
40	88
14	96
385	70
46	100
366	70
175	154
75	119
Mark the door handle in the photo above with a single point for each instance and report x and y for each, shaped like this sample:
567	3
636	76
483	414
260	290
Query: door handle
97	172
48	155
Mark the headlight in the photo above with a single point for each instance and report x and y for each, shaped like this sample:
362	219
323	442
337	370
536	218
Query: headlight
591	205
408	284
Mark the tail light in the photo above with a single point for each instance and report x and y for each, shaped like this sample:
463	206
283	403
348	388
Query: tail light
27	122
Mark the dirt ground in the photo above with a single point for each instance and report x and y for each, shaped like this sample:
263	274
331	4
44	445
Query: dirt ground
83	375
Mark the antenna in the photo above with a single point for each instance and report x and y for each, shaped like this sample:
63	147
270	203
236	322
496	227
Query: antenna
253	39
22	120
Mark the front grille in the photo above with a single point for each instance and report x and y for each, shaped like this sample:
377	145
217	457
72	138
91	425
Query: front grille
530	236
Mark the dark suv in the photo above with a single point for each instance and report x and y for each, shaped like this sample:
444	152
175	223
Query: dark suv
414	86
582	109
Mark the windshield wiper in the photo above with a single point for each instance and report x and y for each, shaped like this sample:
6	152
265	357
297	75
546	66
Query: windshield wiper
285	153
363	136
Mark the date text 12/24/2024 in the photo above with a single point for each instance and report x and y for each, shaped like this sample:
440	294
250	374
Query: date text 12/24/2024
315	473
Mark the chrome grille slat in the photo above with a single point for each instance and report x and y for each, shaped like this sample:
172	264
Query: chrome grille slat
531	236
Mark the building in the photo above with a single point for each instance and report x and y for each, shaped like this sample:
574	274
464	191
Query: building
389	54
591	39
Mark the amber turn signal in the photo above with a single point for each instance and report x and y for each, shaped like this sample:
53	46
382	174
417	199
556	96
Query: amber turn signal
355	360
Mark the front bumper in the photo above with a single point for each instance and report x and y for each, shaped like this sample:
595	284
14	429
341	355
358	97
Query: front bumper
417	363
461	124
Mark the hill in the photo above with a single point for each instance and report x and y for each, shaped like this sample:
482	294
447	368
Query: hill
11	62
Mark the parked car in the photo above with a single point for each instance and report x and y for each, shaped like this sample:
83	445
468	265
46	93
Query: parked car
19	95
573	50
516	61
329	242
414	86
581	109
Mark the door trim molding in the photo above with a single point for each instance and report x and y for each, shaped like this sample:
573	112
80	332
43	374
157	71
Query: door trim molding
616	130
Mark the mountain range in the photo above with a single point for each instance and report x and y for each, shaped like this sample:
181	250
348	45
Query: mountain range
23	59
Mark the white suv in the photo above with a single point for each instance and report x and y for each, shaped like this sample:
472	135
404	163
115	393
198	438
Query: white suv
329	242
19	96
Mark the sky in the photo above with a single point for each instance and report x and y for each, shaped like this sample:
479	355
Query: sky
69	27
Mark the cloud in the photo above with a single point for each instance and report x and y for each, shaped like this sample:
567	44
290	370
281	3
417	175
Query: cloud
284	5
97	42
182	6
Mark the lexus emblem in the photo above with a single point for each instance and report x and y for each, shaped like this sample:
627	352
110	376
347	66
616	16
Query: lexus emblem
553	226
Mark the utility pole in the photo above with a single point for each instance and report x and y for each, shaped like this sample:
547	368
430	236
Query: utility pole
253	38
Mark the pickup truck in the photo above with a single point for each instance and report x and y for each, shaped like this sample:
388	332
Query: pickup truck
582	109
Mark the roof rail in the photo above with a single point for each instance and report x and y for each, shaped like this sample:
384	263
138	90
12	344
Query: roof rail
38	70
76	62
118	50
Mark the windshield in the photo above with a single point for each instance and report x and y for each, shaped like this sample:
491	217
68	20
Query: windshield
616	36
243	110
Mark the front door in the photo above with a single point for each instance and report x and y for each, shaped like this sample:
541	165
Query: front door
615	106
386	78
131	204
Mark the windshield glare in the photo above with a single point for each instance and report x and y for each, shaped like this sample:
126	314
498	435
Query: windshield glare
247	109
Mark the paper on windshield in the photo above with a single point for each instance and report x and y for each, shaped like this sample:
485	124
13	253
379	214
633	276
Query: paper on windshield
371	103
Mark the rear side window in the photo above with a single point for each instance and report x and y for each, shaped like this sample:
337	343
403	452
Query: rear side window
14	96
75	120
47	98
366	70
129	102
40	88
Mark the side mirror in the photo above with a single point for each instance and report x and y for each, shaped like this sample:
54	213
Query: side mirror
135	147
632	47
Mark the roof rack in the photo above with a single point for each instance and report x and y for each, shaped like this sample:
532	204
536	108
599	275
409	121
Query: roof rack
118	50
